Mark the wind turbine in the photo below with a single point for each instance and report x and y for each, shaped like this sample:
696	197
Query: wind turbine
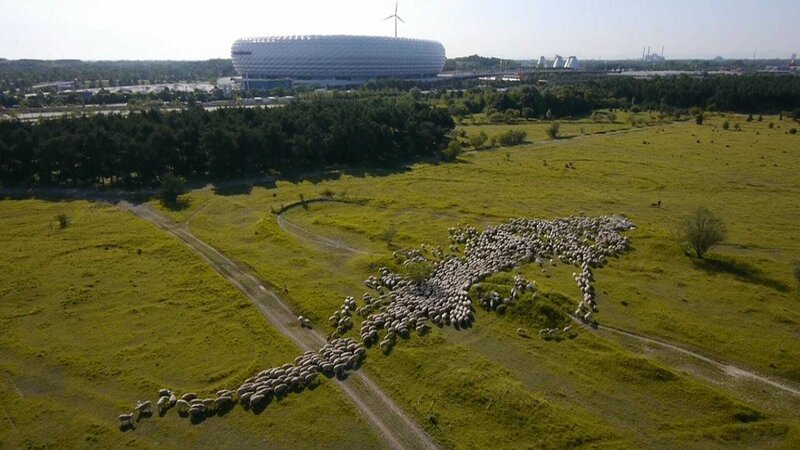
396	18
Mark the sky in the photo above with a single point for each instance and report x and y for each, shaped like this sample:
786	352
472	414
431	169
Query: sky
518	29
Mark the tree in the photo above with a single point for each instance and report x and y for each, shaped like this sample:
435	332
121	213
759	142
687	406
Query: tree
726	125
698	119
452	151
702	230
171	187
552	131
477	140
63	220
549	114
749	117
415	93
418	271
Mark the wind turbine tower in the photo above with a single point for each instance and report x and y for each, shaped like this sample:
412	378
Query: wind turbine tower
396	18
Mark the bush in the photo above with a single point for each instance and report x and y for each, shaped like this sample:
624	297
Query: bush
63	220
552	131
528	113
388	234
171	187
726	125
497	117
736	126
512	137
452	151
418	271
792	130
750	118
771	125
702	230
477	140
698	119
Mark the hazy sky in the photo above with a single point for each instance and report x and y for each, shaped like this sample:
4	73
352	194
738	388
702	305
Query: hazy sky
521	29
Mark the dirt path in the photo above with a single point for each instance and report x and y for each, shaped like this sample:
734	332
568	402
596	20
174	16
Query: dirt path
726	368
322	241
391	423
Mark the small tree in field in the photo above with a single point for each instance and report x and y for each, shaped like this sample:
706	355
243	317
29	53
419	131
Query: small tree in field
698	119
552	131
171	187
63	220
702	230
477	140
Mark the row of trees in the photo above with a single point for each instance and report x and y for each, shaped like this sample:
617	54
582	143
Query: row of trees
134	150
24	73
747	94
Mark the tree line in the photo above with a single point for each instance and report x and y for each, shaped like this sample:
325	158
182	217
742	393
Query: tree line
136	149
24	73
747	94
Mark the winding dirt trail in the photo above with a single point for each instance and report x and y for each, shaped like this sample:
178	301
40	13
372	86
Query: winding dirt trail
388	420
730	370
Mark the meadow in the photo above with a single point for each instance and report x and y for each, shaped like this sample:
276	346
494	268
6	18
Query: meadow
737	305
480	387
107	311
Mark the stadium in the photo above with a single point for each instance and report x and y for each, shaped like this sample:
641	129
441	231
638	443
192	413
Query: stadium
328	61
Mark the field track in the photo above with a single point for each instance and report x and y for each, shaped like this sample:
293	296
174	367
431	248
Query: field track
729	370
387	418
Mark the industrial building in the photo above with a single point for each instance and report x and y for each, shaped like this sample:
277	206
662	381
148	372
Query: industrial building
333	61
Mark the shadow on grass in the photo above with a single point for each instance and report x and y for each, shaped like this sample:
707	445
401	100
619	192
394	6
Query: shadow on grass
739	269
178	205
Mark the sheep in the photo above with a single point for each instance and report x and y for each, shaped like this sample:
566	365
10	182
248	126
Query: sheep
522	333
143	408
163	404
126	420
189	396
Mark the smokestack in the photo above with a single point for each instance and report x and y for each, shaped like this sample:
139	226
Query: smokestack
643	47
662	51
648	51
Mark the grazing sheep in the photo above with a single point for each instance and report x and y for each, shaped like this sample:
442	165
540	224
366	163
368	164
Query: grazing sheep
126	420
143	408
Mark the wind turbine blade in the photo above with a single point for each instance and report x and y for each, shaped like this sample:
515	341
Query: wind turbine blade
401	20
389	17
395	7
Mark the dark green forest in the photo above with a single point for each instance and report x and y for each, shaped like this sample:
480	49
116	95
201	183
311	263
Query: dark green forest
745	94
136	149
24	73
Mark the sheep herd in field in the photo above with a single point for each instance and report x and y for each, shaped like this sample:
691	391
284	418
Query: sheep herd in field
398	304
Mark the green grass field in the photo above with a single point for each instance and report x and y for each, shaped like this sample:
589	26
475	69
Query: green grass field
739	305
109	310
483	387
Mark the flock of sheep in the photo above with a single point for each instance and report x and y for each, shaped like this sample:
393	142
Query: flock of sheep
397	305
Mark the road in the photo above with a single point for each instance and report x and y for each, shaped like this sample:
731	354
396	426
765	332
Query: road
388	420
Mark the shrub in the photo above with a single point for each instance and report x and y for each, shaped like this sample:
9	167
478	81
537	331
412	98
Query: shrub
552	131
702	230
63	220
418	271
792	130
736	126
760	118
477	140
497	117
452	151
771	125
698	119
511	137
726	125
750	118
388	234
171	187
528	113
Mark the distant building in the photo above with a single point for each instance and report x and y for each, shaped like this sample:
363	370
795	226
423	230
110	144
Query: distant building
328	61
542	63
572	63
